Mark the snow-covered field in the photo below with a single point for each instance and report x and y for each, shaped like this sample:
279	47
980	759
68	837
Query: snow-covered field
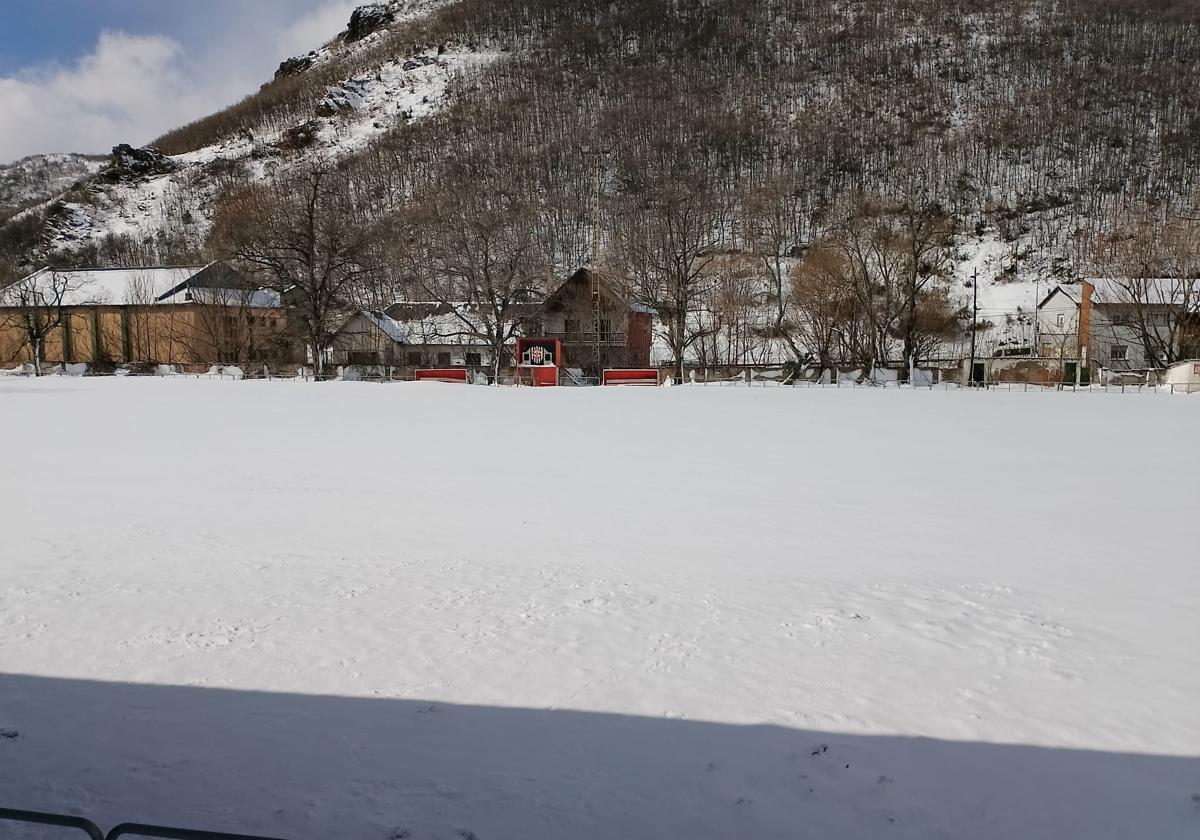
423	611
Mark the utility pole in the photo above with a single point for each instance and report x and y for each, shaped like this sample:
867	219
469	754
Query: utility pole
974	323
1037	317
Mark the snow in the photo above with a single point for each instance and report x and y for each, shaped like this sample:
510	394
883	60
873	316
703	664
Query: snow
366	108
354	113
81	287
436	611
36	177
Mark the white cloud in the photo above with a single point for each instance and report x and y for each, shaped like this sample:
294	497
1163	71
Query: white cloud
315	28
133	88
128	89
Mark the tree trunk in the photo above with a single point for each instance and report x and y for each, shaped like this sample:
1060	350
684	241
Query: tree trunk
318	358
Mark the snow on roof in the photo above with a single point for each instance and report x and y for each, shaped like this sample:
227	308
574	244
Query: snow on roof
1151	290
391	328
118	286
1071	293
89	286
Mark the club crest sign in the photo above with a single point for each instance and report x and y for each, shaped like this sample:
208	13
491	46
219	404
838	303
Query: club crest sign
536	356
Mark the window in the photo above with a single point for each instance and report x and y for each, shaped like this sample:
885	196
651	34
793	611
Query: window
1060	320
474	360
572	328
1117	352
605	330
443	360
412	358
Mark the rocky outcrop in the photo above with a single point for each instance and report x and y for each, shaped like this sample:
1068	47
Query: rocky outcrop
296	65
146	162
300	136
347	97
367	19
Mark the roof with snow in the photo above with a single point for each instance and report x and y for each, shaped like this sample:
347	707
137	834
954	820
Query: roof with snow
92	286
214	283
1069	292
1163	291
1151	290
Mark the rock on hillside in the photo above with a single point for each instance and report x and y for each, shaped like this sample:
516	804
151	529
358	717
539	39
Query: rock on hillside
130	163
367	19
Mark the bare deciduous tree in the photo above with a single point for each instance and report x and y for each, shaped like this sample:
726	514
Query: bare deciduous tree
1151	267
301	239
36	307
478	254
667	229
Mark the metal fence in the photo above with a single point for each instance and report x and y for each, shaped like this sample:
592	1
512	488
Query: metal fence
89	828
704	380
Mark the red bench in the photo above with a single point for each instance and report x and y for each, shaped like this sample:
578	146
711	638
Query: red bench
459	375
629	376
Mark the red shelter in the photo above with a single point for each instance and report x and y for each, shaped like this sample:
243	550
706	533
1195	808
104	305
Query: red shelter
539	359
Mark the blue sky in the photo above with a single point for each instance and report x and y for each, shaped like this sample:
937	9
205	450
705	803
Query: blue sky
84	75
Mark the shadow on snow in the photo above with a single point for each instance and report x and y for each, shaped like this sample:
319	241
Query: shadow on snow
304	766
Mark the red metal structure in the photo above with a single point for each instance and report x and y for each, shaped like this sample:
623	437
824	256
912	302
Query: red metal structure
459	375
539	359
629	376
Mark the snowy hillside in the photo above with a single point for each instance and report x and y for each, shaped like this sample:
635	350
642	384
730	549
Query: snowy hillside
385	619
38	177
1055	134
177	204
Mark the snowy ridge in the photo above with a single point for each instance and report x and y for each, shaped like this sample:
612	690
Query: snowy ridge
179	205
181	202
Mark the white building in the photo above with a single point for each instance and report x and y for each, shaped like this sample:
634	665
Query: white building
1119	325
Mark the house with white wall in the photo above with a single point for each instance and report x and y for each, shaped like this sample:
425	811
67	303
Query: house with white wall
1119	324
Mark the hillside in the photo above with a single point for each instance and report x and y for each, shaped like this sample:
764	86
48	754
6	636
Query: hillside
1039	125
36	178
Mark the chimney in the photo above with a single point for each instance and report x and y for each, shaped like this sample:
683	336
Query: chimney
1085	318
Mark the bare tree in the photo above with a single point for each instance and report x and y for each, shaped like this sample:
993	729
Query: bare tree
667	229
873	261
827	322
1151	287
776	214
926	233
479	255
37	309
301	239
235	325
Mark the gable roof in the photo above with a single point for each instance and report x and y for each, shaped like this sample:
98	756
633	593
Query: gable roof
1112	291
1071	293
607	283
